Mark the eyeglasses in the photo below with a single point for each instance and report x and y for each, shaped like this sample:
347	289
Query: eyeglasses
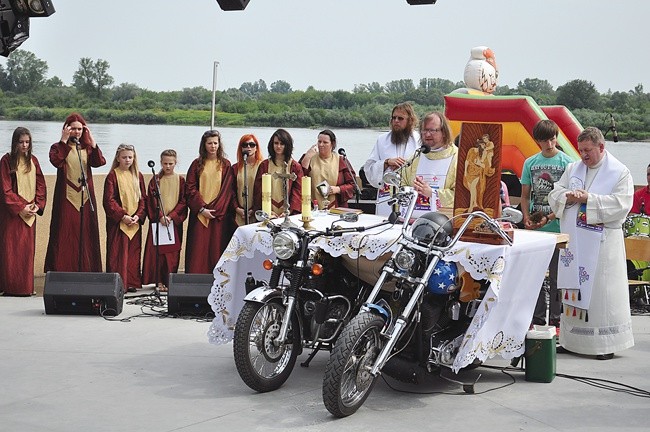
428	131
248	144
398	118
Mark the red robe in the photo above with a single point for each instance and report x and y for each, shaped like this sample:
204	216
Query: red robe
295	191
345	181
63	247
17	239
168	255
122	253
206	244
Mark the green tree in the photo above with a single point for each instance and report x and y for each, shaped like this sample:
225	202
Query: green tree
92	78
578	94
125	92
540	90
400	86
373	87
25	72
280	86
254	89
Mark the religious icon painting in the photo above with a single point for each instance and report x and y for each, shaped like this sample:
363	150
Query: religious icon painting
478	176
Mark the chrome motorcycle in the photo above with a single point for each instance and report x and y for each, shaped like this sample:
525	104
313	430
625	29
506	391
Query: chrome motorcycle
417	328
306	302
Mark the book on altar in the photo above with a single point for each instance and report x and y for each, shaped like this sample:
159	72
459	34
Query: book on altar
163	235
342	210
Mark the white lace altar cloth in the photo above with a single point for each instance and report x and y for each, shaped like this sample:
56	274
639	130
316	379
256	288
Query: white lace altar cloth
499	327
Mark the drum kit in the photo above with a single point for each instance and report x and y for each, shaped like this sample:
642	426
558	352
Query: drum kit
638	225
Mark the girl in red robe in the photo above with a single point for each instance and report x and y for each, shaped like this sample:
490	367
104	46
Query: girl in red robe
76	144
23	196
247	144
209	193
280	149
172	195
124	203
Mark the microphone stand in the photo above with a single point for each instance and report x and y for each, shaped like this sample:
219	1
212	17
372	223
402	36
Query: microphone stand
245	192
84	188
417	153
159	208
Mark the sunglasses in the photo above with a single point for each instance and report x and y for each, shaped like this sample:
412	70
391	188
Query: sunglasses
249	145
125	147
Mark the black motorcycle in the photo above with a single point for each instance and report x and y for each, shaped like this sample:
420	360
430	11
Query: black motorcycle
306	302
415	329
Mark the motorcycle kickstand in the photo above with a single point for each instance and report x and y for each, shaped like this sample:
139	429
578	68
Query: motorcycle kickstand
312	354
468	387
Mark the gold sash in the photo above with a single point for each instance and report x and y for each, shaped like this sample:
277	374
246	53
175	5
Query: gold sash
73	174
209	184
251	172
26	182
323	169
169	186
129	197
277	190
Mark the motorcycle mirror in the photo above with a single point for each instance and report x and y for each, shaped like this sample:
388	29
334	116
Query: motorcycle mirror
349	217
261	215
511	214
392	178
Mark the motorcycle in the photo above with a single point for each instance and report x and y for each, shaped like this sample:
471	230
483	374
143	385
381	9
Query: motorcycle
306	302
417	329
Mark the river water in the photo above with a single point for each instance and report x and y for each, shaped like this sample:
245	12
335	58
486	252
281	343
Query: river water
150	140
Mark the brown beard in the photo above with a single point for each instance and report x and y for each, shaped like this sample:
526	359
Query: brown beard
400	136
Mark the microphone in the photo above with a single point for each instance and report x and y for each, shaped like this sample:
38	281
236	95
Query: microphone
151	164
424	149
245	154
612	126
342	152
75	140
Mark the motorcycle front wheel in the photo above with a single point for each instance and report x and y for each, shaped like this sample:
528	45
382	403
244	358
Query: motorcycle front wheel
261	364
348	382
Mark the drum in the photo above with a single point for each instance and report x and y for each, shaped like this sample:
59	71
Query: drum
637	225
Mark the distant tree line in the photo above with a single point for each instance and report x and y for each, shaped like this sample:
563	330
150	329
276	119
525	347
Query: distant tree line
27	94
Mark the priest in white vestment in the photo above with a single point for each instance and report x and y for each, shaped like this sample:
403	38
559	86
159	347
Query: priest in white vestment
592	199
391	151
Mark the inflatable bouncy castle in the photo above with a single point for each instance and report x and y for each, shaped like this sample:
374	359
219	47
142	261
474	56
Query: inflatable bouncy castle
516	114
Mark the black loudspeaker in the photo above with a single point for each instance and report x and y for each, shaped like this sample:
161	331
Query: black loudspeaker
188	294
70	293
421	2
33	8
229	5
14	30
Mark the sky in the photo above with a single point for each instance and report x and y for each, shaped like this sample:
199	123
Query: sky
337	44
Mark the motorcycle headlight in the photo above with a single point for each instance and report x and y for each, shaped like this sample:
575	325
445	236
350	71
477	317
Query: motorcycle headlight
285	244
404	260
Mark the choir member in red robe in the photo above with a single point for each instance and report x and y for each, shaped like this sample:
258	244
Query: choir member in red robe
65	227
209	190
280	150
250	146
327	168
124	203
169	216
22	197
